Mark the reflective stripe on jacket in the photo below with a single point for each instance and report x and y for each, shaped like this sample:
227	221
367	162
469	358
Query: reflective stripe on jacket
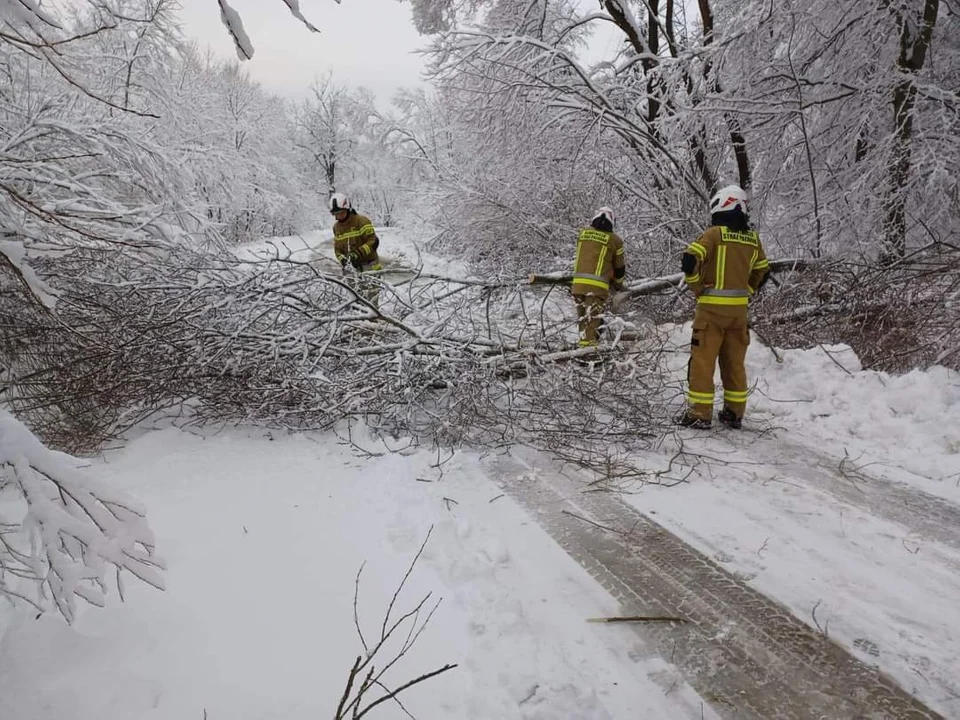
730	266
355	234
600	259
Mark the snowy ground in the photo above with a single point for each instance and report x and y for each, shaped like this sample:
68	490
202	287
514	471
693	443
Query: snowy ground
264	535
843	496
842	501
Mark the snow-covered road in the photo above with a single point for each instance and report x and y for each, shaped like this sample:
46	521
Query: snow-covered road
264	535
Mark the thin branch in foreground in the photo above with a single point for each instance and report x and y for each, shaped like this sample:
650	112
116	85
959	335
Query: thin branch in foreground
403	582
406	686
365	675
356	616
825	629
591	522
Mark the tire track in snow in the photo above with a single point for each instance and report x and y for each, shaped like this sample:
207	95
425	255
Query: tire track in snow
927	515
746	655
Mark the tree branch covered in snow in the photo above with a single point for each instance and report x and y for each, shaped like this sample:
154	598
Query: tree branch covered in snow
234	24
74	531
287	342
368	674
120	220
895	318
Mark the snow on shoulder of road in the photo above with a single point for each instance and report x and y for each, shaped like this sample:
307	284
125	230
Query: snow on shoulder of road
902	427
264	535
840	499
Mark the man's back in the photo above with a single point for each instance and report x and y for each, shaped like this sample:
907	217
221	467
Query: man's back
731	265
599	256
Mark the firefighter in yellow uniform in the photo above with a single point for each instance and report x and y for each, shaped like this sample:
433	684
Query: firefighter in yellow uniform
724	267
600	264
355	242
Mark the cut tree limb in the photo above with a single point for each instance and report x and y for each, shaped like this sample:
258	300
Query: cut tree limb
647	286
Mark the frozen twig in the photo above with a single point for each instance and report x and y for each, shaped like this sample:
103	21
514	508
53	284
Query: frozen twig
365	675
591	522
825	629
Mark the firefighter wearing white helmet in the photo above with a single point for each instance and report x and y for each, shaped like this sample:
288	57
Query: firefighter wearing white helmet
599	265
723	268
354	240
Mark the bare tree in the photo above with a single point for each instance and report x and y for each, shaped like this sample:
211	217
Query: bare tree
324	121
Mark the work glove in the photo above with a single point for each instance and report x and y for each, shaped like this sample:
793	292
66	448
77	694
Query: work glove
617	285
354	258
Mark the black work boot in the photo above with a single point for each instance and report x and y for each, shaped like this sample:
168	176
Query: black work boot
728	418
692	421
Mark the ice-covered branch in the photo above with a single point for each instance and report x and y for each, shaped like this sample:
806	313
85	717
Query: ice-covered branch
74	532
234	24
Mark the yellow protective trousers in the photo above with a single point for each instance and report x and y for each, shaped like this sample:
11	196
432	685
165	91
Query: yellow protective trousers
724	337
590	317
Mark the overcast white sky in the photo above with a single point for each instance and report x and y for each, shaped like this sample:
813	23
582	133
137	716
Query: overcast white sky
364	42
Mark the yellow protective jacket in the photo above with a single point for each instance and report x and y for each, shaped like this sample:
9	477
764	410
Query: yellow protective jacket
600	260
730	265
356	235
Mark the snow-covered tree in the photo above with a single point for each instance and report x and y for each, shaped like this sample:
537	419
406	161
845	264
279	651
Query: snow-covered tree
248	167
325	128
726	93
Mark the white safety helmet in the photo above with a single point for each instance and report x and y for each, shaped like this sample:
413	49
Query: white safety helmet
729	198
338	202
603	212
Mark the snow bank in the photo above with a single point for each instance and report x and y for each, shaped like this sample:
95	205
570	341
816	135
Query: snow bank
904	426
906	422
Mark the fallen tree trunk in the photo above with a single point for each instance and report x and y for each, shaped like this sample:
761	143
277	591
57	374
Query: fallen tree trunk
647	286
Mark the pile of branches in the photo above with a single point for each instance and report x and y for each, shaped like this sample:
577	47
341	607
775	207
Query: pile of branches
280	341
896	316
284	342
